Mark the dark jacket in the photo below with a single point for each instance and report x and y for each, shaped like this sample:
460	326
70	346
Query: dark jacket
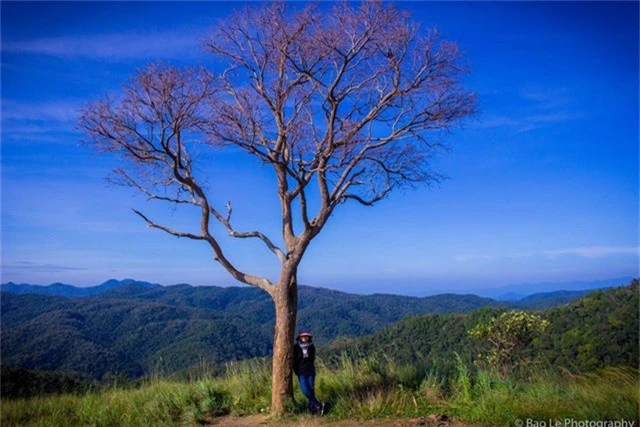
304	366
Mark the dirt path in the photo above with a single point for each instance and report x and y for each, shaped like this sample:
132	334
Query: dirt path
308	421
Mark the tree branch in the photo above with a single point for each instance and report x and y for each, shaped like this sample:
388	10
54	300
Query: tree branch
226	221
169	230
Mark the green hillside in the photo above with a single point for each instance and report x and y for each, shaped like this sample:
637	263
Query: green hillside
596	331
134	330
329	313
601	329
96	336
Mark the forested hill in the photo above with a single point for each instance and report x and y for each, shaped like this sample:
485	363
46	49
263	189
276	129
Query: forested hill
329	312
598	330
136	327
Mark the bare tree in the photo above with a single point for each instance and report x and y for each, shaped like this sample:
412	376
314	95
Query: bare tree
344	105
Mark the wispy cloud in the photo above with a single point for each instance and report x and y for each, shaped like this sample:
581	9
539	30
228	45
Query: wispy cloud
474	257
547	98
39	268
58	111
112	46
537	108
585	252
594	251
528	122
49	121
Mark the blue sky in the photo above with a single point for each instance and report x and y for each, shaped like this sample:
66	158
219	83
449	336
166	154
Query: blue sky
543	183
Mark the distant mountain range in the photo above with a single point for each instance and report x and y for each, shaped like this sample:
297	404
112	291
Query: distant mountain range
60	289
521	291
131	288
518	292
136	327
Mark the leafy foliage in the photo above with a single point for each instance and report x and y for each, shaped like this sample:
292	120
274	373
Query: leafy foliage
505	338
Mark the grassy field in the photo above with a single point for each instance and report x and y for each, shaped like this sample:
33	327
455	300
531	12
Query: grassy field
363	389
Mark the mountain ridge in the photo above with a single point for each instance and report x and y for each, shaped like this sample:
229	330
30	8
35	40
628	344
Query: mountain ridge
137	327
502	294
62	289
523	290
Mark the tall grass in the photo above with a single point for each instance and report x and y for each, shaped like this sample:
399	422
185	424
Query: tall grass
369	387
158	403
611	394
375	387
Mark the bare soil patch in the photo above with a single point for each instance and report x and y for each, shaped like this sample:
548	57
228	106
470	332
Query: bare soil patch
310	421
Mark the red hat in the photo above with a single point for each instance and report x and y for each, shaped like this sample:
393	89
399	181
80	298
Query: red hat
304	332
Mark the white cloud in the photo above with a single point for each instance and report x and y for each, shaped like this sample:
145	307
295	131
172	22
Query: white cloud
39	267
58	111
527	122
585	252
111	46
49	121
594	251
547	98
538	108
474	257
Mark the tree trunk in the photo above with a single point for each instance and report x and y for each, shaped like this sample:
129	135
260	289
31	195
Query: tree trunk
286	302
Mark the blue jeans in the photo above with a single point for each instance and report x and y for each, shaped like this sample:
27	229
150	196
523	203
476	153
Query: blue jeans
306	385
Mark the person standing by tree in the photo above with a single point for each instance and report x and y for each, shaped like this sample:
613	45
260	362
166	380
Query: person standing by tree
304	354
